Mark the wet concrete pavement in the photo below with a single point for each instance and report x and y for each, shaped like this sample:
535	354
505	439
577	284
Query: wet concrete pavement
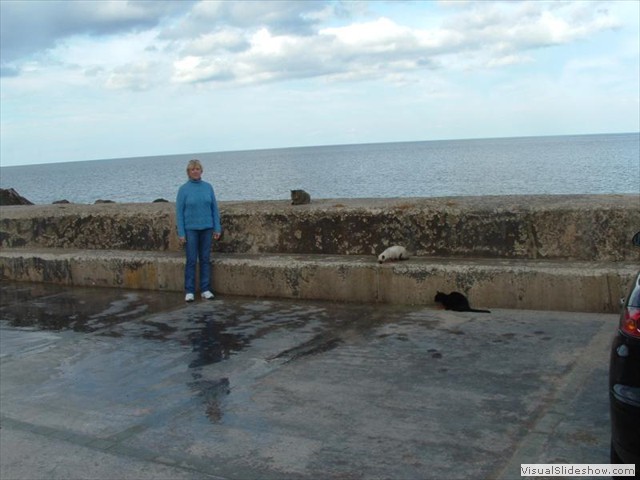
121	384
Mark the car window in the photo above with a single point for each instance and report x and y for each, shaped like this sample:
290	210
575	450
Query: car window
634	296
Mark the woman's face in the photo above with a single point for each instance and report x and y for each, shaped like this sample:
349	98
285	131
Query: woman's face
195	172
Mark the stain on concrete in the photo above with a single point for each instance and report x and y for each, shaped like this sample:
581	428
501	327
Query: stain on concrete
319	344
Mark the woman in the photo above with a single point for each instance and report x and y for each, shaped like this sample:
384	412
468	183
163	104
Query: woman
198	221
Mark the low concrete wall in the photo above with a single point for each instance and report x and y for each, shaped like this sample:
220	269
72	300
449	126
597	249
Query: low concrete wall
101	226
489	283
575	227
559	253
95	268
537	285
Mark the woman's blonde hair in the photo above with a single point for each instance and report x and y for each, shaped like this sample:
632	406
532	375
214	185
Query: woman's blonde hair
194	163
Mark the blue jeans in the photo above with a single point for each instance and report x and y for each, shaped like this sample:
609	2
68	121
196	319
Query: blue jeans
198	249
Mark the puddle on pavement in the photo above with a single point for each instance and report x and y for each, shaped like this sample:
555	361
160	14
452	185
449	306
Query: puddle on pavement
215	330
212	344
211	393
212	331
52	307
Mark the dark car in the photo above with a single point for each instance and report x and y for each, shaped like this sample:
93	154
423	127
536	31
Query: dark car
624	380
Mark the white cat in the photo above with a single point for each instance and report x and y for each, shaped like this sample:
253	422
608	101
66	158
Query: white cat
396	252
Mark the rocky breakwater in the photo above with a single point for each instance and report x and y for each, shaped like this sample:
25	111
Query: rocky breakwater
549	252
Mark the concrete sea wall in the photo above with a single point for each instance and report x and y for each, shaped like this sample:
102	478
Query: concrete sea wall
540	252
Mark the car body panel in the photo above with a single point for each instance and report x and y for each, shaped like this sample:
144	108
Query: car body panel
624	387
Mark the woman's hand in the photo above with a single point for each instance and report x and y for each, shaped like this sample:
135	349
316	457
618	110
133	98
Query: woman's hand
182	241
216	236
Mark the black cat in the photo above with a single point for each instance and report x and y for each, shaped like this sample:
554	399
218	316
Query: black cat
456	301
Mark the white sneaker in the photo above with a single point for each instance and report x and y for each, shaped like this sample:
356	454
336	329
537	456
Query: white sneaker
207	295
189	297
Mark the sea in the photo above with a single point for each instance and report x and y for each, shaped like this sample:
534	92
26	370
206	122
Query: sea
573	164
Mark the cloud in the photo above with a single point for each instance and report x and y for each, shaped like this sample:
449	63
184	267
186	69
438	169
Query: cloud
501	34
361	50
280	17
9	71
480	35
29	27
243	43
136	77
226	39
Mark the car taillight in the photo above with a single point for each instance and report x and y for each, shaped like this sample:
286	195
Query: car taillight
630	322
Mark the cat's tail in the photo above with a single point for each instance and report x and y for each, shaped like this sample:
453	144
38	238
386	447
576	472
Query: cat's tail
479	311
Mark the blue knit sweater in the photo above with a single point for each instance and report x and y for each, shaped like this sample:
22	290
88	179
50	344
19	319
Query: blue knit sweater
196	207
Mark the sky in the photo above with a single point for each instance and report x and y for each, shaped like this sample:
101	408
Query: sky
86	80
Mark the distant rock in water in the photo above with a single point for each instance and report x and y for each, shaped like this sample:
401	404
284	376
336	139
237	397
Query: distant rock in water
300	197
160	200
65	201
103	201
11	197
